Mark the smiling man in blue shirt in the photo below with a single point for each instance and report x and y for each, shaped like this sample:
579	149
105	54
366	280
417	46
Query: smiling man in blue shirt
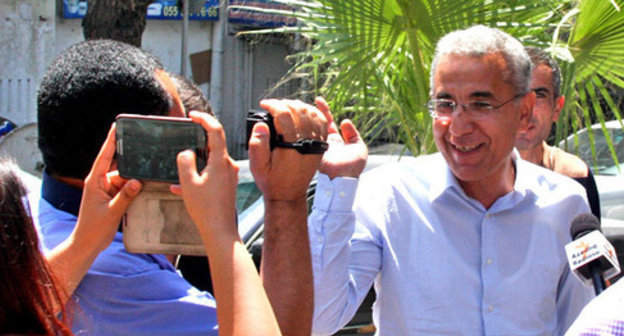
467	241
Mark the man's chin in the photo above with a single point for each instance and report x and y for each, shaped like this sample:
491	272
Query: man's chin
525	144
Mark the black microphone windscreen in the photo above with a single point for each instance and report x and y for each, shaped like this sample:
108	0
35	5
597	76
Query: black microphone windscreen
583	224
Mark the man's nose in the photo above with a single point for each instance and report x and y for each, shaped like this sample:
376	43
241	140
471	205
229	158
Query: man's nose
461	121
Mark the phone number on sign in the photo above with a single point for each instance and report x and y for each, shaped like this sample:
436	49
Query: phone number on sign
174	11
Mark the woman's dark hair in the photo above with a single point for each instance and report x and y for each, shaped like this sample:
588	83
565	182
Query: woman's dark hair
30	297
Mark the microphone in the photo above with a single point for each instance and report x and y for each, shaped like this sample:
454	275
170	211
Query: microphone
591	256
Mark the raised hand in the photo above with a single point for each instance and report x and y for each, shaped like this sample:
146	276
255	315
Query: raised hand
210	198
105	198
284	174
347	153
209	195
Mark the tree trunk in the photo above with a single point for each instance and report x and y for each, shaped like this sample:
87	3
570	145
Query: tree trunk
121	20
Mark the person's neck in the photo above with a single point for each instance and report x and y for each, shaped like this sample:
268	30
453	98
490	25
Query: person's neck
489	189
534	155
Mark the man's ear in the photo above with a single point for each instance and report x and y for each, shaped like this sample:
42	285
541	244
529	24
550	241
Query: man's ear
559	103
177	110
526	110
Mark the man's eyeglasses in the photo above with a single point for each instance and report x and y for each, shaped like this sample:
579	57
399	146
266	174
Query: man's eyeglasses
444	108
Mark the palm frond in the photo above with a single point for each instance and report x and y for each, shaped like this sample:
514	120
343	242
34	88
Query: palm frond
594	44
371	58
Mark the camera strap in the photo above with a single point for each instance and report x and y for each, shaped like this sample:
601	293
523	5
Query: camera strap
304	146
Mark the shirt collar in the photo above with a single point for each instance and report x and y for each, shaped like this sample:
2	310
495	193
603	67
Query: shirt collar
527	178
60	195
446	181
523	183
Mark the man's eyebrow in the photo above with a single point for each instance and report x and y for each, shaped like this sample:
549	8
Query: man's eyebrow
481	94
476	94
541	89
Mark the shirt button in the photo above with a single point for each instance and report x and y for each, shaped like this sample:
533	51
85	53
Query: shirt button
327	193
489	261
488	216
342	194
319	239
490	308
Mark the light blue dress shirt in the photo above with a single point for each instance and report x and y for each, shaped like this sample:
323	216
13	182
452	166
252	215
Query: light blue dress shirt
124	293
441	263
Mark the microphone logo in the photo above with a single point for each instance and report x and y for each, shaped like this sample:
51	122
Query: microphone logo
584	247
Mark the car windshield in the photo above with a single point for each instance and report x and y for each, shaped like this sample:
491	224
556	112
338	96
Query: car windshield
604	163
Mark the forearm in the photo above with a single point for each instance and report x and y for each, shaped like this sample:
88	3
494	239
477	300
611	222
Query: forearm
242	304
70	261
286	266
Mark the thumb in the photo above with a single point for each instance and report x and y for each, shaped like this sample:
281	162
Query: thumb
259	148
187	170
124	197
349	132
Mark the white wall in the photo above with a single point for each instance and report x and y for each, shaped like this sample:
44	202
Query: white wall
162	38
26	47
32	34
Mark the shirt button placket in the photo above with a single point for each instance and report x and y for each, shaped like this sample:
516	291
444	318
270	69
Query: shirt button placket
487	272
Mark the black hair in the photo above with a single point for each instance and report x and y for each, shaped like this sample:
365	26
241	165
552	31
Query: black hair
538	57
192	97
83	91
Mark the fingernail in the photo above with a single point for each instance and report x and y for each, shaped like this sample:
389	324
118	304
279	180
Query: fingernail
184	155
261	131
134	185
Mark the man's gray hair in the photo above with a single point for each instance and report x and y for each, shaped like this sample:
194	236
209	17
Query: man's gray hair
481	40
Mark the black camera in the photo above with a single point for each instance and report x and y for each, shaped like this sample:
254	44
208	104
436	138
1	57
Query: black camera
303	146
255	116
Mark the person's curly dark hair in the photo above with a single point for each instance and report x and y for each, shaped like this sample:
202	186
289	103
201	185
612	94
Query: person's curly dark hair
83	91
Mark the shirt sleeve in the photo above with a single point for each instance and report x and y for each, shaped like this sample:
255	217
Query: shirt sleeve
345	259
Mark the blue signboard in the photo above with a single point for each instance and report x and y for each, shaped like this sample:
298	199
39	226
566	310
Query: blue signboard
158	10
256	19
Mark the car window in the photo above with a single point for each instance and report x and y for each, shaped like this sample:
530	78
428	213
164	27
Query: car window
604	163
246	194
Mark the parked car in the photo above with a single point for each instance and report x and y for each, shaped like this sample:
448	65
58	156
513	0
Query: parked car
609	176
